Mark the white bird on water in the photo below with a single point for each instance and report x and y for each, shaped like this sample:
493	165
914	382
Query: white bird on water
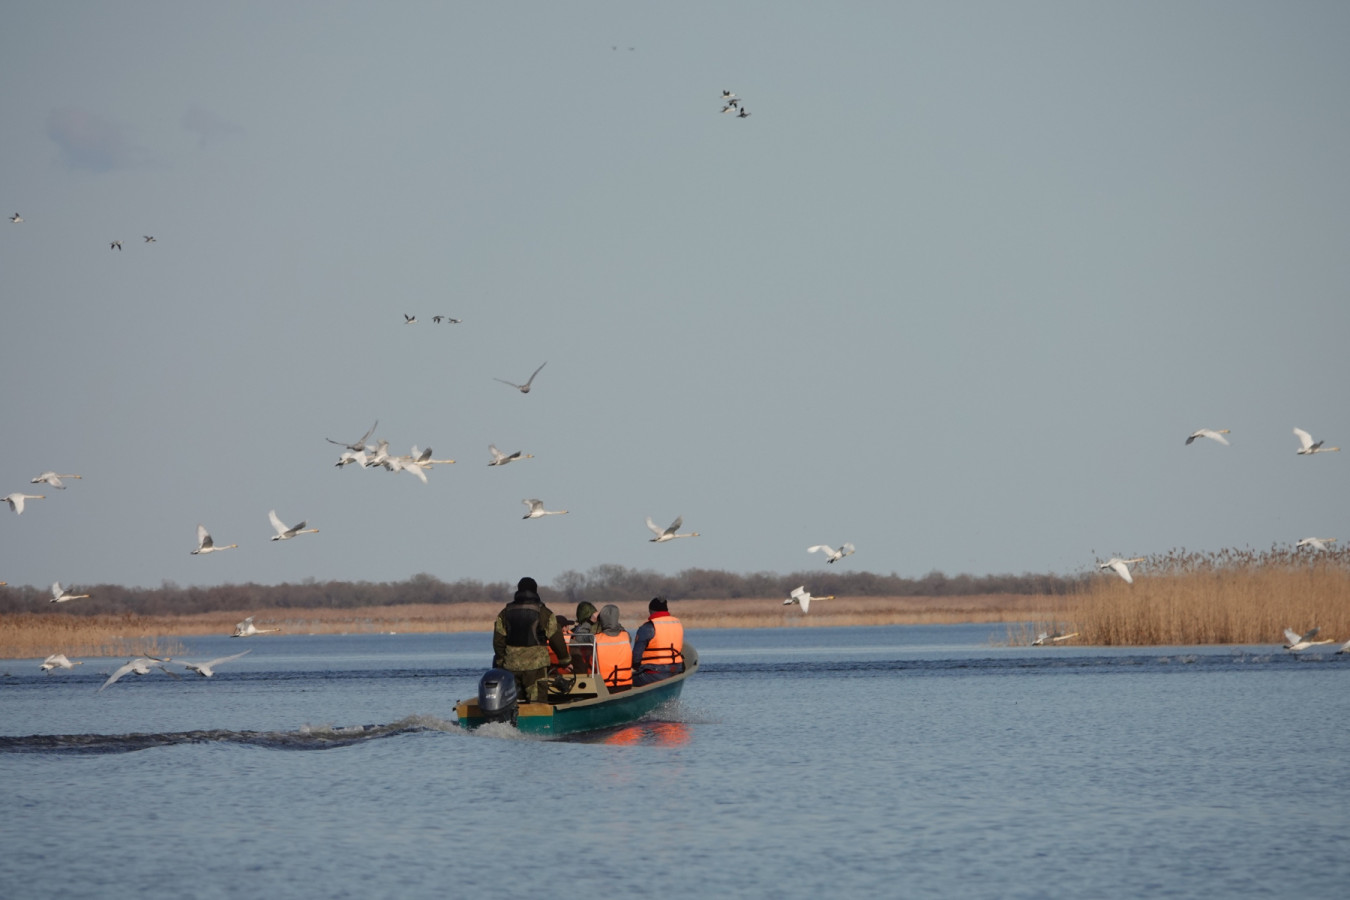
207	669
1121	566
500	459
141	666
58	661
1315	542
537	510
246	628
1046	637
206	545
52	478
283	533
63	596
668	534
800	596
1303	641
831	554
1345	648
523	388
15	500
1211	434
1307	447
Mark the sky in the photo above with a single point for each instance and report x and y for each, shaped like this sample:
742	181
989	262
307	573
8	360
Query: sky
955	291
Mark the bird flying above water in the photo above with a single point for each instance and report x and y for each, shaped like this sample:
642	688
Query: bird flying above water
283	533
207	669
16	500
537	510
668	534
523	388
1211	434
1307	447
1303	641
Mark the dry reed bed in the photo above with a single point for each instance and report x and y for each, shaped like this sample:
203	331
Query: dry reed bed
25	636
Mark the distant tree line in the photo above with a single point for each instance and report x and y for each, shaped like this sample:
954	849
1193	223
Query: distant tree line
600	585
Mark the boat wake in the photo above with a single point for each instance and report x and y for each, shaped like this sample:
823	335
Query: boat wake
307	737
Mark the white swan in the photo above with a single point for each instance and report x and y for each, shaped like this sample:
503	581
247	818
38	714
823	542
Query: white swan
16	218
1303	641
668	534
523	388
16	500
1307	447
800	596
207	669
246	628
1315	542
206	545
114	245
1345	648
51	478
58	661
63	596
409	320
831	554
439	319
1211	434
357	445
500	459
1121	566
141	666
283	533
423	459
149	238
350	456
537	510
1046	637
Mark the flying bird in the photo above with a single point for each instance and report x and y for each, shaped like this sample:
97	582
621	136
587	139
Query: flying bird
149	238
668	534
1315	542
743	114
58	661
206	545
115	245
831	554
1121	566
1046	637
1211	434
537	510
439	319
409	320
1303	641
360	444
283	533
523	388
51	478
246	628
141	666
16	500
207	669
61	596
1307	447
1345	648
800	596
16	218
500	459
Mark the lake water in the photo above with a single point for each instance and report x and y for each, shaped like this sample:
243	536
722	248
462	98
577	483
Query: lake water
897	761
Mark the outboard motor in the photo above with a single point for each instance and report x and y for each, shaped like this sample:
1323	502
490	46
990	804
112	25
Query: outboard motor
497	696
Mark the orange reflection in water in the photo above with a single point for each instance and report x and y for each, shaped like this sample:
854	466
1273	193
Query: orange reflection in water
660	734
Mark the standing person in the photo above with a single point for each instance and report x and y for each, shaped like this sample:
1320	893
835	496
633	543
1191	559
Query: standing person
582	638
613	654
658	646
522	637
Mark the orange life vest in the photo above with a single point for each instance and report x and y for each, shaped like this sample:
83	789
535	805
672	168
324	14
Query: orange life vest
614	656
667	643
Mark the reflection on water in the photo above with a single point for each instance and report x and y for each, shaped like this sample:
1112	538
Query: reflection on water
656	734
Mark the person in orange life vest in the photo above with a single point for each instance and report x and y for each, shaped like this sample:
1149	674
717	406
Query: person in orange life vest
524	632
581	638
613	654
658	646
565	626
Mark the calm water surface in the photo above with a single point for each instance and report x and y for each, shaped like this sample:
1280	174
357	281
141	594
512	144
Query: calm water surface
898	761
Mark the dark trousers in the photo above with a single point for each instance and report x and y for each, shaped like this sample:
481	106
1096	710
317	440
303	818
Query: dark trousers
527	683
648	674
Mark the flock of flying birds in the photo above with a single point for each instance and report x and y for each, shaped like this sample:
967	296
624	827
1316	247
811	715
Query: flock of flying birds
732	104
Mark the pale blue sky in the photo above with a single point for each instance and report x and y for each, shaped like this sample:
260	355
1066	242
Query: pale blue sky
955	292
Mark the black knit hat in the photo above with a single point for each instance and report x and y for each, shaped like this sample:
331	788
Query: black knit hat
528	584
658	604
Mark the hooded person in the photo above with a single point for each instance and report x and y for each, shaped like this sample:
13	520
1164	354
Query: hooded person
658	646
523	635
613	654
581	636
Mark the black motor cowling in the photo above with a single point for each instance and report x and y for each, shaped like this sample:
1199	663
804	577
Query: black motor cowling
498	698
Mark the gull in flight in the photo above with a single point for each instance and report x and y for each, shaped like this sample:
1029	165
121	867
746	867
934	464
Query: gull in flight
16	218
537	510
1121	566
246	628
523	388
1303	641
206	545
114	245
15	501
831	554
62	596
141	666
1046	637
360	445
1211	434
207	669
51	478
799	596
1315	542
283	533
668	534
58	661
500	459
1307	447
